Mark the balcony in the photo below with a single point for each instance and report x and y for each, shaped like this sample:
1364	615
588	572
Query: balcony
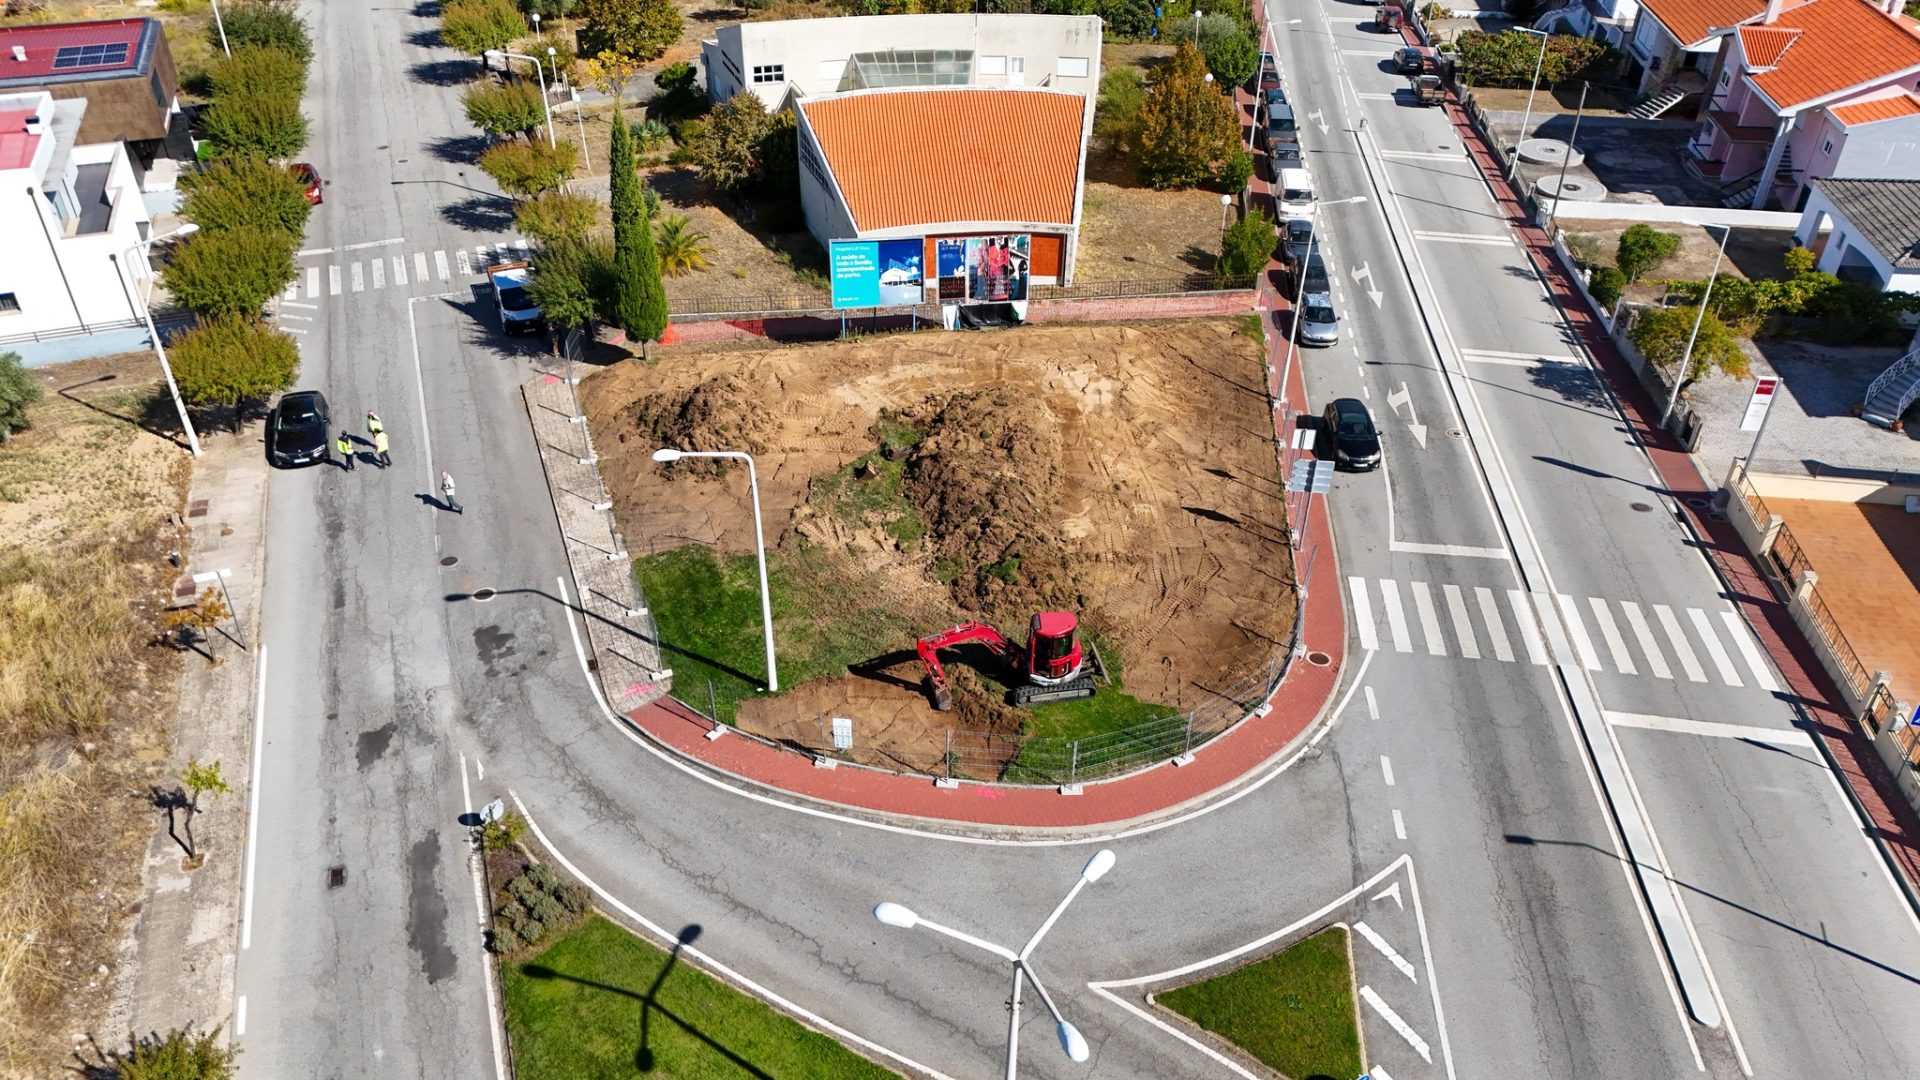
1729	124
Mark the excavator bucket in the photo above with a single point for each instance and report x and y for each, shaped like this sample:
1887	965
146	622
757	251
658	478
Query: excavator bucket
942	695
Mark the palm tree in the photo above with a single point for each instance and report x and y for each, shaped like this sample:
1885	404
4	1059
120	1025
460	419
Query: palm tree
683	248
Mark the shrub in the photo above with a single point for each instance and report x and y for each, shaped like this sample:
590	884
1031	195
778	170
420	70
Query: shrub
554	217
1116	113
1233	59
641	29
474	26
263	22
1661	335
526	169
650	135
1508	58
726	150
682	248
502	832
1246	246
232	361
18	390
1606	285
230	272
181	1054
565	53
245	193
1187	129
244	126
1236	172
259	71
548	9
1643	248
504	109
1798	260
1585	248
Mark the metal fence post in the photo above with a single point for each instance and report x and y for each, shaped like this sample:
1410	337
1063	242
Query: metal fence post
1188	748
713	709
949	760
1073	764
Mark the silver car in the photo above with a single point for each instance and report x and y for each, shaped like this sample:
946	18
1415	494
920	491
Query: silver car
1319	323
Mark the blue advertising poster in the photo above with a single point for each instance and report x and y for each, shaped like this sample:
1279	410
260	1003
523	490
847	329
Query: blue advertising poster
855	267
903	280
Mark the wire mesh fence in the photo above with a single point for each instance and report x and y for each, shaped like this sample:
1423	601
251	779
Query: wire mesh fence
808	301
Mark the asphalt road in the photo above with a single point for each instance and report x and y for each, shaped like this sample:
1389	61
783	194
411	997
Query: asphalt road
1453	810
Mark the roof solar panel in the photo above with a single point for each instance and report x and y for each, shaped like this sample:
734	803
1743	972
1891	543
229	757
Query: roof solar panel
84	56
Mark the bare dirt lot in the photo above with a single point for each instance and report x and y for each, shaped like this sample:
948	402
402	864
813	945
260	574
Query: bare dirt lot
1123	471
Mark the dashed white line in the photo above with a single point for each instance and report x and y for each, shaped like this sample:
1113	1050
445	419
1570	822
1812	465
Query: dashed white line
240	1016
1728	673
1373	710
1399	825
253	802
1381	946
1750	651
1394	1021
1386	769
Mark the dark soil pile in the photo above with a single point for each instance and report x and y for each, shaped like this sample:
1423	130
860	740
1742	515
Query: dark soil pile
722	413
988	481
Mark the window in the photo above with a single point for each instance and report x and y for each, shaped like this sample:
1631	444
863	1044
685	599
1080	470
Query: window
993	65
912	67
1826	148
159	91
831	72
769	73
9	303
86	56
1073	67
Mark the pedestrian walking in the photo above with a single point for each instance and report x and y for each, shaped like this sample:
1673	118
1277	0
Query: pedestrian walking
345	445
380	449
374	426
446	492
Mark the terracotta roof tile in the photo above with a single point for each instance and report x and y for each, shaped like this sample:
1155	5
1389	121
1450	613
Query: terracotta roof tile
1693	20
1887	108
1842	44
917	157
1764	45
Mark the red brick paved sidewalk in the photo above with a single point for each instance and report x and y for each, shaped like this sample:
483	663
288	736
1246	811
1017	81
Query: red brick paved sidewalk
1895	826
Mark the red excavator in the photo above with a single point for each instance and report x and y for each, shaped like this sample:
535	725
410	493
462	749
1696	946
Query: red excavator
1055	667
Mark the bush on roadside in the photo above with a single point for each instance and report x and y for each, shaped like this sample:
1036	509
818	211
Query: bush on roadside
181	1054
1509	57
259	71
504	109
548	9
1233	59
1236	172
245	193
1661	335
537	903
18	391
231	272
248	126
232	362
474	26
554	217
1642	249
641	29
263	22
526	169
1246	246
1585	247
1116	112
1606	285
575	283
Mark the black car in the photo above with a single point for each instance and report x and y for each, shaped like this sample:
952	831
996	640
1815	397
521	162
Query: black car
1348	436
1311	276
1296	239
299	430
1410	61
1273	95
1280	127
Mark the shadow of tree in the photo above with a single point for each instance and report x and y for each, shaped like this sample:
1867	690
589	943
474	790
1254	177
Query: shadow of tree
425	39
427	9
1570	382
460	149
444	72
480	213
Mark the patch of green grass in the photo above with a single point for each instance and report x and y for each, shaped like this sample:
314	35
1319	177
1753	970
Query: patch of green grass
708	609
1293	1011
601	1004
1253	325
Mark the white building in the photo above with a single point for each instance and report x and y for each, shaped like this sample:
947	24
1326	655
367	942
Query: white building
811	57
1866	230
71	217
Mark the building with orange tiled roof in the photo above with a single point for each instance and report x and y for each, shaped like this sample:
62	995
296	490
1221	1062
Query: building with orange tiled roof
1802	91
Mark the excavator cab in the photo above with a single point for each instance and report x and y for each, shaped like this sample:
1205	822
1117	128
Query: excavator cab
1053	647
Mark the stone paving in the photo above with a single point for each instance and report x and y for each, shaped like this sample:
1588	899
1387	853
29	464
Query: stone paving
626	643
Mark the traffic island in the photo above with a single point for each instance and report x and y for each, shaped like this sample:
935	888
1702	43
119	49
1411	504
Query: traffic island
1294	1011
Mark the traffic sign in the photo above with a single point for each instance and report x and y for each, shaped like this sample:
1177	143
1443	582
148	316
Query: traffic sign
1759	403
1312	476
842	733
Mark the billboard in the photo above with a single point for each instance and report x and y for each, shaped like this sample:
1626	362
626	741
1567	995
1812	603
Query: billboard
983	269
877	273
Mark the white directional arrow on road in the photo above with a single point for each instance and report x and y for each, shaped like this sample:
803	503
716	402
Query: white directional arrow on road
1392	890
1401	397
1315	117
1361	273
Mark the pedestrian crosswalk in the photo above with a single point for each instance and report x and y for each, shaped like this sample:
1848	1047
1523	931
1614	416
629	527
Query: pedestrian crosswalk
417	271
1593	633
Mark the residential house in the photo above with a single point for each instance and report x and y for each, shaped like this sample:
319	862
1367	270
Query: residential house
1866	230
784	59
122	68
1817	89
1674	44
1609	21
72	223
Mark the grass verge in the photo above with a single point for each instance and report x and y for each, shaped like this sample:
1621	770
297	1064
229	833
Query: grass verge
601	1003
1294	1011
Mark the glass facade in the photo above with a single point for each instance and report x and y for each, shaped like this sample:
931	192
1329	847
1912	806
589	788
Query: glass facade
911	67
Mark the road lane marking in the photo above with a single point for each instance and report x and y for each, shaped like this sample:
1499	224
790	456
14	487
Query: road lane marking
1396	616
1380	945
1399	825
464	262
304	252
1377	97
302	307
1721	661
1750	651
296	318
1523	621
399	269
253	802
374	243
1577	630
440	264
359	278
1490	614
1373	709
1418	155
1463	238
1550	625
1401	1026
1641	633
333	281
1386	769
1512	359
1677	637
1793	737
313	281
420	265
379	274
292	292
1462	626
1461	551
1429	620
1617	645
240	1016
474	871
1363	616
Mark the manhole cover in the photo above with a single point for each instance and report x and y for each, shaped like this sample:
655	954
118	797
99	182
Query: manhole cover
450	560
1642	507
1319	659
1696	503
1455	433
336	876
483	595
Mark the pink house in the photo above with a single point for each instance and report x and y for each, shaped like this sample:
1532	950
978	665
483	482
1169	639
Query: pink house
1816	89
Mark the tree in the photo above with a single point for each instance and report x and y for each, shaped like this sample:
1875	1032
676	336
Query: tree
1127	20
268	127
230	272
1187	128
1643	248
623	177
639	298
641	29
682	248
1116	113
231	362
263	22
1237	170
609	72
190	622
553	216
525	169
1246	246
181	1054
504	109
548	9
564	53
727	151
18	390
245	193
259	71
575	282
1233	58
200	779
1661	336
1509	57
1606	285
474	26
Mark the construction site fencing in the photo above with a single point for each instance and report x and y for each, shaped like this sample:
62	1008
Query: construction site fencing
815	301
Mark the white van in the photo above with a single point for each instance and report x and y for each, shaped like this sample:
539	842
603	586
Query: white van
1294	191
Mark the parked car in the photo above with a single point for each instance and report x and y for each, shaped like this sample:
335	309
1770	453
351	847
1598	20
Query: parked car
1284	155
1271	96
1347	435
299	430
1296	239
1319	323
1269	71
1310	275
1411	60
518	313
1280	126
309	178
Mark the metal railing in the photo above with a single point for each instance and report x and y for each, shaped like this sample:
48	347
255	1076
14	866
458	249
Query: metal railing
1851	669
809	301
1785	558
1898	370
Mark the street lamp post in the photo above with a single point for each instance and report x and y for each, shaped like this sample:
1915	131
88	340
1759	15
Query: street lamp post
1526	119
668	455
1559	191
1686	358
1071	1040
1196	27
222	27
573	94
153	332
539	73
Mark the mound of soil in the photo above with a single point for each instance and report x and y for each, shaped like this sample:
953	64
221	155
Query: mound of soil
721	413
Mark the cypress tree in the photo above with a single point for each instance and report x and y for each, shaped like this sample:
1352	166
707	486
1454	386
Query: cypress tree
640	300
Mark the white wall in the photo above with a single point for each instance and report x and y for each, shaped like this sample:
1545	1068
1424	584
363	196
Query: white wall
812	53
65	283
